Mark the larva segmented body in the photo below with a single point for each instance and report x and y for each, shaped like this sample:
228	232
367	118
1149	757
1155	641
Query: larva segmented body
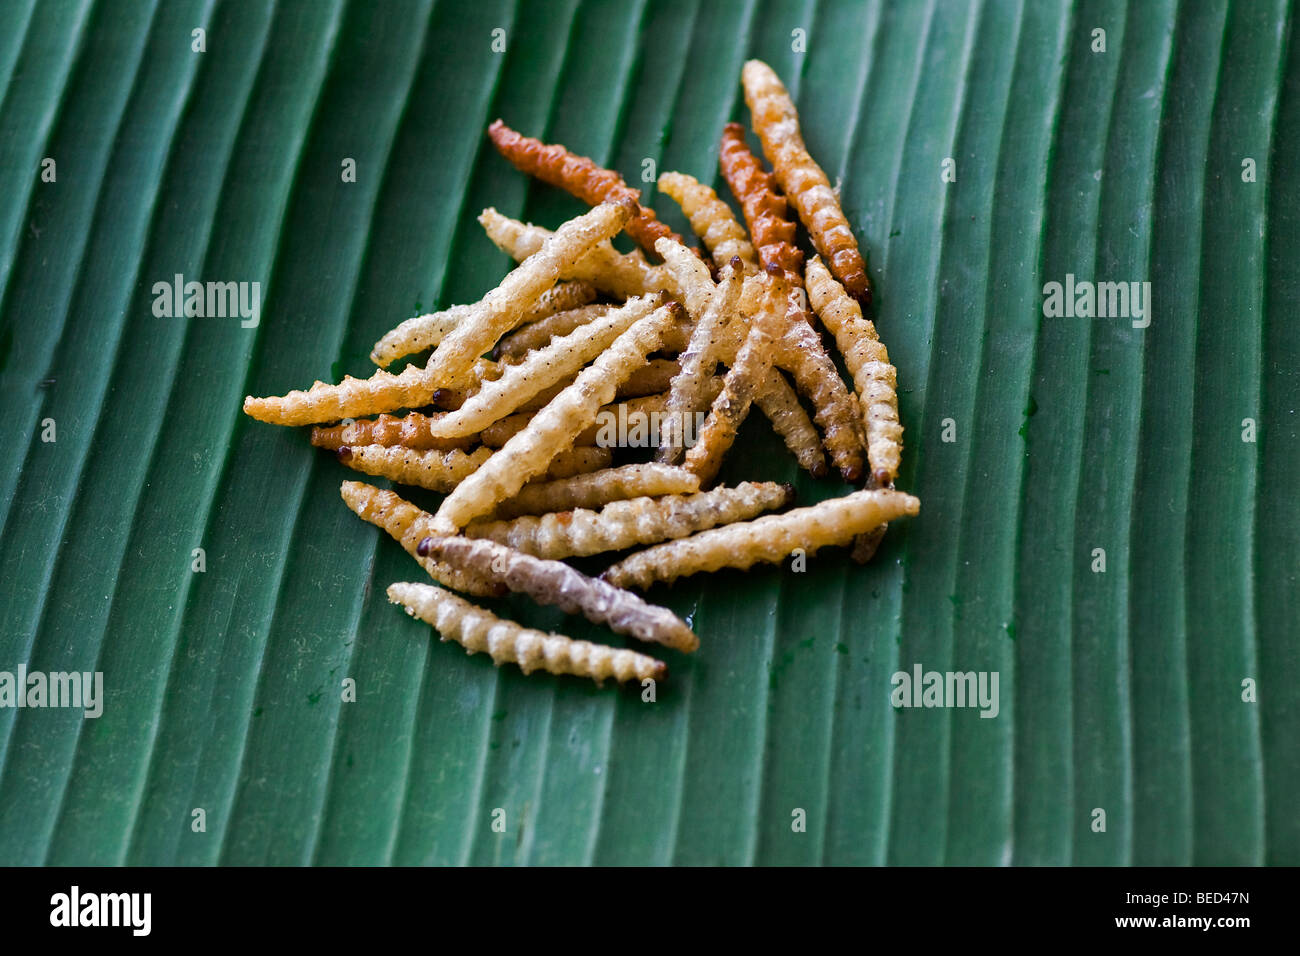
555	583
408	526
742	382
553	428
612	272
637	521
541	369
770	538
867	360
452	364
597	489
711	219
435	470
578	175
506	642
805	184
426	331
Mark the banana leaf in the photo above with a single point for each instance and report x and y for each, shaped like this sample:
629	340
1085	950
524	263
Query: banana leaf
1110	520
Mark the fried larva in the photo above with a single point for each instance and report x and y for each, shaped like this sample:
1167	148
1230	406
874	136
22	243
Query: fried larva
698	362
537	335
435	470
453	361
800	352
780	404
351	398
541	369
711	220
409	525
453	398
518	291
690	279
514	347
766	539
805	184
498	433
743	380
765	208
552	163
425	331
868	362
557	584
561	297
626	524
475	629
776	399
652	377
578	461
598	489
609	270
410	431
418	333
553	428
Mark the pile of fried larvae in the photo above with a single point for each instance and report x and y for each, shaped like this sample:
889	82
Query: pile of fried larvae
512	440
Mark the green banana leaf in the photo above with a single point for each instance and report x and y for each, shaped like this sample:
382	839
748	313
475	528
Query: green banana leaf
1110	519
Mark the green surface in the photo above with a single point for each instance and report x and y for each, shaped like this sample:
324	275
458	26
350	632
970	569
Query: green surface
1119	690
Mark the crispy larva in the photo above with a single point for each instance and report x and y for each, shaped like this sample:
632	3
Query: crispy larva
561	297
425	331
351	398
522	287
514	347
453	398
637	521
698	362
552	163
500	432
868	362
638	422
541	369
651	378
597	489
780	404
418	333
766	211
805	184
776	399
554	427
453	361
711	219
766	539
410	431
743	381
435	470
800	352
691	281
506	642
555	583
609	270
569	462
538	335
409	525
